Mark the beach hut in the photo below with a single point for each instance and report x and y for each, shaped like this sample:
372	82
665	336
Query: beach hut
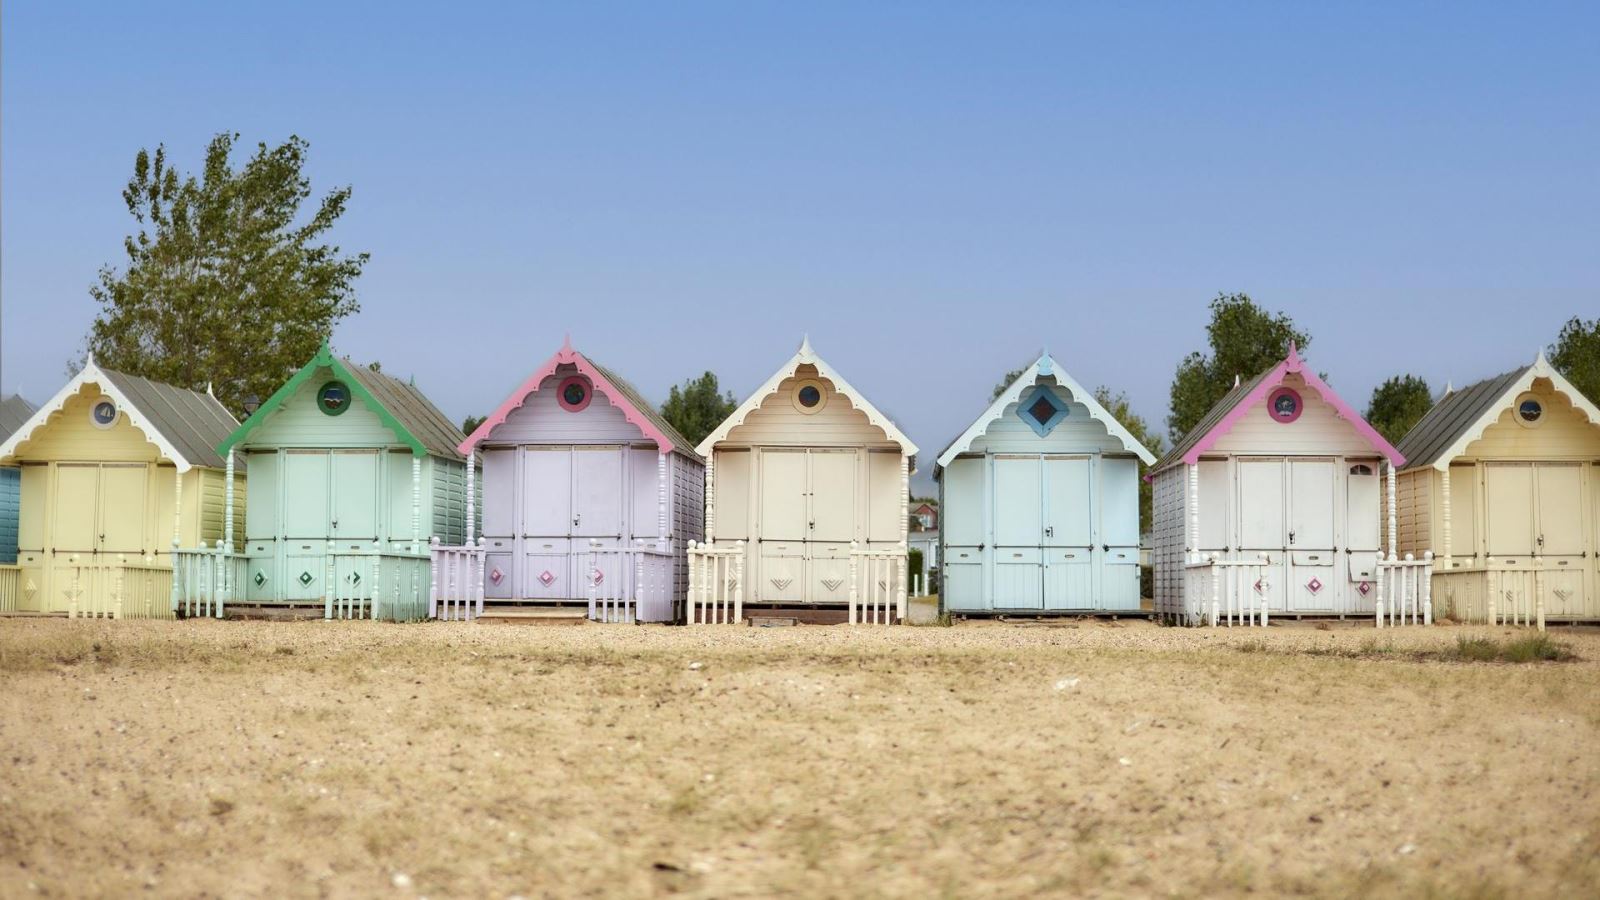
1271	504
14	411
589	495
807	500
1502	478
116	470
351	471
1040	497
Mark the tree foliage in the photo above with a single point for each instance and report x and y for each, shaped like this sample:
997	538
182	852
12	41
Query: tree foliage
1576	355
697	407
1117	404
1244	340
471	423
224	283
1397	405
1005	382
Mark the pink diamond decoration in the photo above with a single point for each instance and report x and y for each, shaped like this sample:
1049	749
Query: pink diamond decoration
599	576
546	577
496	576
1260	586
1364	588
1314	585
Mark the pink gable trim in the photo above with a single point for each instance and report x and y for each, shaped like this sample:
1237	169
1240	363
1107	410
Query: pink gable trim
1293	365
567	356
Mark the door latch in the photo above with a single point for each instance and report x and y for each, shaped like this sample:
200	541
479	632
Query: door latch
1049	531
1291	535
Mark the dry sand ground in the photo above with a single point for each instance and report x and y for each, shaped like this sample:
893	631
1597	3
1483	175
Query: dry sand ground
236	759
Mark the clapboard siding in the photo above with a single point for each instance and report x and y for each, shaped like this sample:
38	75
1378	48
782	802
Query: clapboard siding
1169	525
1565	433
10	509
1078	433
299	423
541	419
1319	431
1414	511
70	436
778	423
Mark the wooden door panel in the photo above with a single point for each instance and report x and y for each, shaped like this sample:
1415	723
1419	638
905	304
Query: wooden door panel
355	497
1261	505
1018	504
1068	513
1119	502
77	502
1560	509
261	509
1362	507
883	496
306	507
499	494
1216	499
961	517
124	495
597	492
1311	504
1509	508
1069	579
783	496
733	495
1018	578
833	496
547	492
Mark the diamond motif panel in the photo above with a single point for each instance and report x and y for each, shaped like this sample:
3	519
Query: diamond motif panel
832	584
1314	585
260	579
306	578
547	578
496	576
1364	588
782	583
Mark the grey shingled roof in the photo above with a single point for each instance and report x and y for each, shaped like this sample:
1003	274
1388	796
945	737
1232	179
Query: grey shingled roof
193	422
415	412
14	413
1229	400
1450	418
646	409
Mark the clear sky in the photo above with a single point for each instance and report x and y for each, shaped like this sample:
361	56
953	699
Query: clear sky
933	192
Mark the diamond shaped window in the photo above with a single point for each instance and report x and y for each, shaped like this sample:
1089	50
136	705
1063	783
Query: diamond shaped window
1042	409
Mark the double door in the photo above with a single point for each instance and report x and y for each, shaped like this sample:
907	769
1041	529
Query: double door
1293	511
327	496
563	498
1535	510
806	513
99	513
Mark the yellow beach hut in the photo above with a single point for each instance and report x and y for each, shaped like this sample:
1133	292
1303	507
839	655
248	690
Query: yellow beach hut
1503	479
116	470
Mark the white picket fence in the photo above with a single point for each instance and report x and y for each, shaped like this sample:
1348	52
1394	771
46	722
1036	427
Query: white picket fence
126	590
10	588
205	580
455	585
1514	594
611	600
716	584
877	585
1237	588
1405	591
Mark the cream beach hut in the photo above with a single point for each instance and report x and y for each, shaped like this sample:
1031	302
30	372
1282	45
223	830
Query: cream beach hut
1040	500
1503	478
590	497
116	470
807	500
1271	503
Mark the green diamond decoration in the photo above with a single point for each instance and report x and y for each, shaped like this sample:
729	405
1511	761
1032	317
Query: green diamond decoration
305	577
355	578
261	578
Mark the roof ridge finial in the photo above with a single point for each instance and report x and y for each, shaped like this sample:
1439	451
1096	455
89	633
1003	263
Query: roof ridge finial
566	343
209	392
1449	388
1539	360
1236	380
805	344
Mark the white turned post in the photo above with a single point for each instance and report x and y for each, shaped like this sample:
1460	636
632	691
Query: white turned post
1216	595
436	572
1538	592
481	553
327	587
711	498
738	582
177	508
122	564
1427	588
1392	482
661	501
1491	580
1444	500
853	593
904	565
416	505
227	510
472	497
377	584
1194	513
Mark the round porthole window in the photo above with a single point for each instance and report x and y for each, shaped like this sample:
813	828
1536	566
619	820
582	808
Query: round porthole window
103	413
1530	410
574	394
333	398
1284	405
809	396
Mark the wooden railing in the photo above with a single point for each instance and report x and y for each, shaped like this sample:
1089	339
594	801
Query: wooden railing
205	580
10	587
716	584
1498	592
1229	591
877	585
136	589
610	599
1405	591
375	584
455	586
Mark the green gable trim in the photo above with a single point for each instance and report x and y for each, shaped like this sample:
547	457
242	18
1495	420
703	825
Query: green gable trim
323	360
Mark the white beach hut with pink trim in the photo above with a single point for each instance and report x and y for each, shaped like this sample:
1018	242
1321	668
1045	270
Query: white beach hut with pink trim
1272	505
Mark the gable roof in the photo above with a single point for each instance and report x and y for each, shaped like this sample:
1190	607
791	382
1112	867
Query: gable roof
1243	397
624	396
806	356
1042	367
403	409
1461	417
184	425
14	411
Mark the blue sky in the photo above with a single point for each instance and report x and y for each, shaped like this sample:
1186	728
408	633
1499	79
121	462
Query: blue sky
933	192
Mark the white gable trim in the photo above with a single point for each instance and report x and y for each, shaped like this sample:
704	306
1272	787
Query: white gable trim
1541	368
1042	366
802	357
91	374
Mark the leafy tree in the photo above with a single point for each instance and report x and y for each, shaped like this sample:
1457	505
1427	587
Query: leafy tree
698	407
1121	410
1005	382
224	281
1397	405
1576	355
471	423
1244	340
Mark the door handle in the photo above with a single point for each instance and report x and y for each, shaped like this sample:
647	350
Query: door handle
1291	536
1049	531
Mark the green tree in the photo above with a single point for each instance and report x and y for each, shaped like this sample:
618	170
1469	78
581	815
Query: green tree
1397	405
1005	382
1244	340
1576	355
1117	404
471	423
225	282
697	407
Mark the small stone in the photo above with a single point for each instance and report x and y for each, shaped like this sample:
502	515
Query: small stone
694	666
1407	849
1067	684
1123	760
401	880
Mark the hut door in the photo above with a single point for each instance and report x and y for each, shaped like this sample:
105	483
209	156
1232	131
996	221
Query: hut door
1068	534
1311	556
832	524
1361	512
77	502
1262	522
1509	504
963	528
1018	532
122	509
355	498
1119	532
499	523
597	516
782	525
1559	539
546	507
305	486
